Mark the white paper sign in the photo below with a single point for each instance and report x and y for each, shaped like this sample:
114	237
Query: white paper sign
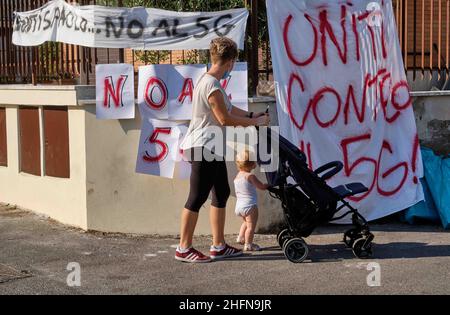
182	167
236	86
165	91
158	152
137	28
342	95
114	91
153	92
182	80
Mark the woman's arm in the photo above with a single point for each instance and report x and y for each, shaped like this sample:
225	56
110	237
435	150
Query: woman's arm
225	118
239	112
257	183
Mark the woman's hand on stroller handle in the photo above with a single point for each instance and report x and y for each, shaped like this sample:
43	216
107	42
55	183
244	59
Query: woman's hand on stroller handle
266	112
262	120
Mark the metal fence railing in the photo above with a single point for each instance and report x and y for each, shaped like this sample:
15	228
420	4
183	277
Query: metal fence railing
423	27
57	63
424	30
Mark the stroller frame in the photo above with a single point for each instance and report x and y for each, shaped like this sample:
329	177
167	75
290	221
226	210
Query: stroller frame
314	211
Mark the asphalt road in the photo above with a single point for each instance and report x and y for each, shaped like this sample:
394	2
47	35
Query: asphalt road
35	253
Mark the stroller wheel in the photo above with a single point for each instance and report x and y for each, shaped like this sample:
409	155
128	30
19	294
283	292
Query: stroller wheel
351	236
362	248
296	250
283	236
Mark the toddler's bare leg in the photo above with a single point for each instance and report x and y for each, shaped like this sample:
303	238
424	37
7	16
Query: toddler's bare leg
243	229
251	221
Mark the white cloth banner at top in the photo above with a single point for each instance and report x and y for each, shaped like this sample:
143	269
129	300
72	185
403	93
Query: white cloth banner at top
137	28
342	95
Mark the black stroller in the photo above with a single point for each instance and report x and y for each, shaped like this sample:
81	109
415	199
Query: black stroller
310	202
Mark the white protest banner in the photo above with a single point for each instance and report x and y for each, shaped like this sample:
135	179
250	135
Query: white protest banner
158	151
165	91
182	80
114	91
236	85
137	28
182	167
153	92
342	95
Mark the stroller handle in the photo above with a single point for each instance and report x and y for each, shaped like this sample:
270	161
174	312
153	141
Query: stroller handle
333	167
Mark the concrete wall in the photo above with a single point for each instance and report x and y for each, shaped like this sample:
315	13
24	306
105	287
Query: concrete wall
104	193
427	81
432	112
120	200
431	104
62	199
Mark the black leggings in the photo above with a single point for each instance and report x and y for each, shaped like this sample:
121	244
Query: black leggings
208	176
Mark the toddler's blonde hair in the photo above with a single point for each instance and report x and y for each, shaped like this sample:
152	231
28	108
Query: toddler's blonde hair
243	162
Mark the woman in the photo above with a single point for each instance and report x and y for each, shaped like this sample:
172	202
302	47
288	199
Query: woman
211	109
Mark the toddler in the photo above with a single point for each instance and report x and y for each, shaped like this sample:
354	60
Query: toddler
245	185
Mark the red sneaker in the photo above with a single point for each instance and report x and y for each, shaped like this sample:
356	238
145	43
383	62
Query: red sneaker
227	251
191	256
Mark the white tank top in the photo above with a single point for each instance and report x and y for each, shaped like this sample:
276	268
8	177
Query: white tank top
198	133
246	195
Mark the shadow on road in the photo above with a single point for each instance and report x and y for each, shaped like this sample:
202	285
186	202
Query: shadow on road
339	252
396	227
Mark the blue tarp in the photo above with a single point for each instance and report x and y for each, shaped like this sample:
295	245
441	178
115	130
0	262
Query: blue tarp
436	186
424	210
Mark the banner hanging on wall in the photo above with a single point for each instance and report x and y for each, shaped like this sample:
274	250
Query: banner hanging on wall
159	149
114	91
165	91
342	95
136	28
236	85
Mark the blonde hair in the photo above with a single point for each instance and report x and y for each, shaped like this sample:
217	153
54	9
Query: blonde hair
243	162
223	49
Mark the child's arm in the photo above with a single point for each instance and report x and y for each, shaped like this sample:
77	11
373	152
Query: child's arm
257	183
